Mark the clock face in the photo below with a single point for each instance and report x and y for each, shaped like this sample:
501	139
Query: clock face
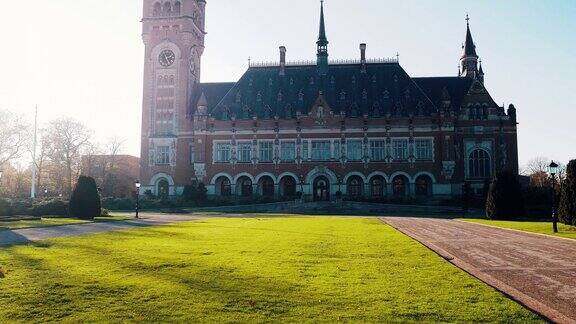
166	58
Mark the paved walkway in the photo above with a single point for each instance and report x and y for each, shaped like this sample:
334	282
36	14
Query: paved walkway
22	236
538	271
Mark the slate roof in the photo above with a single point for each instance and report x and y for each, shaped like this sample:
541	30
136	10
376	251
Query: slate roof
383	88
214	92
455	87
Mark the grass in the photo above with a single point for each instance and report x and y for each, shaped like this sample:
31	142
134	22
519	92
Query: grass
290	269
534	227
51	221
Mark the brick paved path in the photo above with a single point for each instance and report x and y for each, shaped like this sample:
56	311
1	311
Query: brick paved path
536	270
36	234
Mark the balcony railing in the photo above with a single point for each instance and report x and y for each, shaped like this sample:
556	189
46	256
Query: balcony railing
331	62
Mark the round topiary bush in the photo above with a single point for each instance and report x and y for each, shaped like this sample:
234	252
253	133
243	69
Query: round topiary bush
85	200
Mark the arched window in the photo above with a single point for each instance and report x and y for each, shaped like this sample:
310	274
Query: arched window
288	185
157	9
267	185
423	186
355	187
377	187
167	8
163	188
400	185
224	186
177	6
246	187
479	164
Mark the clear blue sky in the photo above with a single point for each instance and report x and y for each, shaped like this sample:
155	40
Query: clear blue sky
85	58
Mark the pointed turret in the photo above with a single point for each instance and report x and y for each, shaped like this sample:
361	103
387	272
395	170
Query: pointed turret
322	44
469	46
469	59
202	105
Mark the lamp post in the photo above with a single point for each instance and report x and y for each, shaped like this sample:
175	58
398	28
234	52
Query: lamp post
137	185
553	170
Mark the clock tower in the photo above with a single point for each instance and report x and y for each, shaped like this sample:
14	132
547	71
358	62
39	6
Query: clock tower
173	35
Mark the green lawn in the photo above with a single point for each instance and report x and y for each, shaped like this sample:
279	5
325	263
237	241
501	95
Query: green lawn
49	221
245	270
534	227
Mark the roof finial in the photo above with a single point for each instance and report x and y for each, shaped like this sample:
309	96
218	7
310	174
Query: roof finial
249	61
467	20
397	57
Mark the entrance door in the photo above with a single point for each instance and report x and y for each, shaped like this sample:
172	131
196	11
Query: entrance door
321	189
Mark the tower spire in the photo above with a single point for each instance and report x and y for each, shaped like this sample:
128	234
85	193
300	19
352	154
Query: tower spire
469	46
322	44
469	59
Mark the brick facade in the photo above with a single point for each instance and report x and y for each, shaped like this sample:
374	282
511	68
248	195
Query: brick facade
359	127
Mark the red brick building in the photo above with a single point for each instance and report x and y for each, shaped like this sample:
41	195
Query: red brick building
362	127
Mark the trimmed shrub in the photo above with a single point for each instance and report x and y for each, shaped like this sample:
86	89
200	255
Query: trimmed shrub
505	199
52	207
567	208
85	201
118	204
6	207
195	193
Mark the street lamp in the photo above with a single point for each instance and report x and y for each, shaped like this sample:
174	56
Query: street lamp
137	184
553	170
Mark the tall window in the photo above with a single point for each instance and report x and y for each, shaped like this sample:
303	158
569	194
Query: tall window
305	151
244	152
423	149
164	110
288	151
355	187
479	164
223	152
400	149
377	187
337	152
354	150
266	151
162	155
377	150
225	187
321	151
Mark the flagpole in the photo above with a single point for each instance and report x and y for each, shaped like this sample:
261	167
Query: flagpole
33	188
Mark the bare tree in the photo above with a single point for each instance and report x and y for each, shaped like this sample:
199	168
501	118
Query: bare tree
113	148
66	138
537	171
14	136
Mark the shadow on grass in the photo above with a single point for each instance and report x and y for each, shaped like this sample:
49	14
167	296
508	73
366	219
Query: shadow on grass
186	285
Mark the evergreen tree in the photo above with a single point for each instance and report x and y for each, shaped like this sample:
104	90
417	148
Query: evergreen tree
567	210
85	200
201	194
505	199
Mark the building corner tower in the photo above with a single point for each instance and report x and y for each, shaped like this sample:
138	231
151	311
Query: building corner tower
173	35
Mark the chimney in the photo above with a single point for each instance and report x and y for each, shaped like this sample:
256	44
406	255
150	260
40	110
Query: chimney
363	56
282	60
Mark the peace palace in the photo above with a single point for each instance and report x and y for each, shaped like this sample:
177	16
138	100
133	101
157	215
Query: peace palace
360	128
